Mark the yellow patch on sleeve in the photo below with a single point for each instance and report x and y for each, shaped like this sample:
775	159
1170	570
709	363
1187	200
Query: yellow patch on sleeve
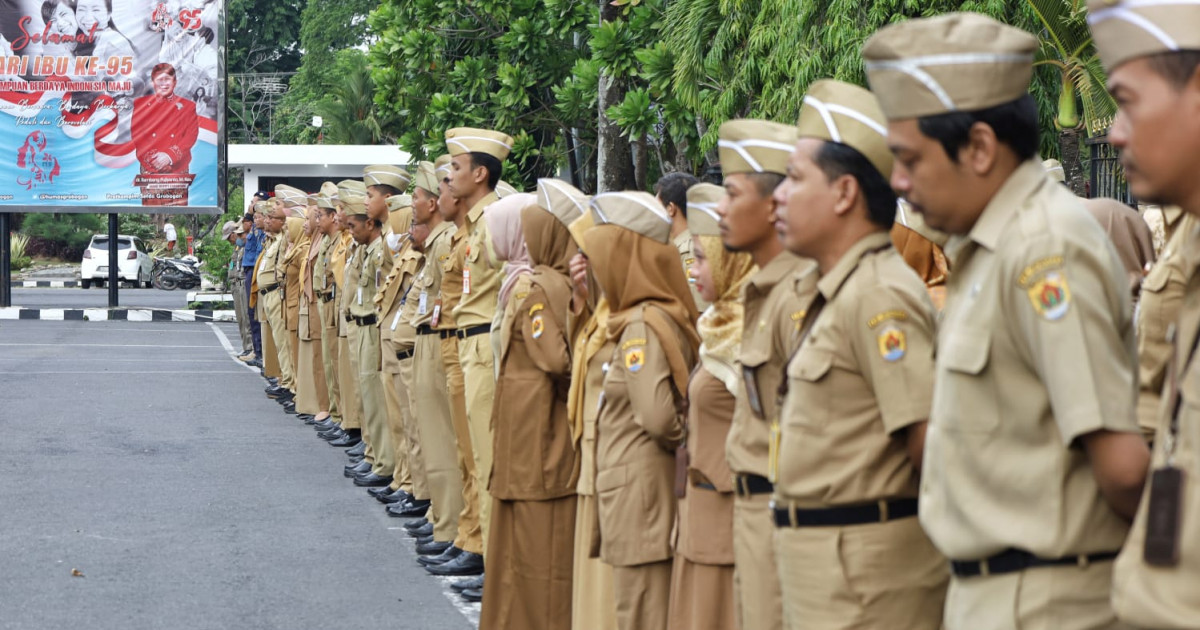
1038	268
894	314
538	326
892	344
635	358
535	308
1050	296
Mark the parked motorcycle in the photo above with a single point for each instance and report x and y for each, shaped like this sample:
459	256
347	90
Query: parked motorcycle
176	273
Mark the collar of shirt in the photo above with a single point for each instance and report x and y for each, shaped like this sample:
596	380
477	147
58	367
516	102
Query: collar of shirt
1007	202
477	210
773	272
832	281
435	233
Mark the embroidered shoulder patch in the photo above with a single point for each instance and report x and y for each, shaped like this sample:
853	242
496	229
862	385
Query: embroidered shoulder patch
894	314
1050	296
635	358
537	326
892	344
535	308
1039	267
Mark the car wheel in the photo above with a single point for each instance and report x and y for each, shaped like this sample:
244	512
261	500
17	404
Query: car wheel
86	284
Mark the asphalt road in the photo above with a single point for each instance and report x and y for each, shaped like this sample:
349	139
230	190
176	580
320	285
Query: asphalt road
144	457
98	298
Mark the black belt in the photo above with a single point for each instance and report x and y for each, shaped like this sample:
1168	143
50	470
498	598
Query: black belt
463	333
425	329
879	512
747	485
268	289
1014	560
446	334
369	320
325	297
403	354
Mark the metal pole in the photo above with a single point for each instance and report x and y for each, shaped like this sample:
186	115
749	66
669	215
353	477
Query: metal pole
113	276
5	261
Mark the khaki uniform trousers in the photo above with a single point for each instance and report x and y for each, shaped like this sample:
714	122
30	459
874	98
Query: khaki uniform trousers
643	595
282	338
329	360
390	383
879	575
348	383
469	538
374	401
435	433
593	605
408	404
479	373
294	346
312	396
237	286
1044	598
270	358
757	596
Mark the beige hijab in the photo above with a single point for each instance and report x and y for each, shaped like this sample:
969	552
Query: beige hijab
720	326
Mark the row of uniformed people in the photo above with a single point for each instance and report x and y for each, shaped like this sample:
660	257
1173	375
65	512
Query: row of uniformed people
797	455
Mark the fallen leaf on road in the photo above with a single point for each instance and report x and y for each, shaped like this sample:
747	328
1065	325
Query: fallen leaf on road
77	573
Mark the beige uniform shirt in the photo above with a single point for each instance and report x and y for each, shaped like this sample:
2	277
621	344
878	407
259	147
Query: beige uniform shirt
268	274
774	307
428	282
863	373
480	282
683	243
451	284
1036	349
375	265
1158	310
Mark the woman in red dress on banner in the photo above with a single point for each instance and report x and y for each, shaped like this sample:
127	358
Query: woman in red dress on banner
165	126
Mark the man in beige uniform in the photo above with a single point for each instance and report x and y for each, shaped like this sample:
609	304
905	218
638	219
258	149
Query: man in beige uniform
858	386
270	282
476	160
373	265
324	289
1151	50
1033	462
348	263
772	311
432	406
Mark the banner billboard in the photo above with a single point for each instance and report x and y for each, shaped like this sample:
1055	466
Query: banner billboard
112	106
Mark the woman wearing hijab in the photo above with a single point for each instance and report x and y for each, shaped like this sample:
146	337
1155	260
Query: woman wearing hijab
312	397
702	577
535	468
297	250
640	424
506	250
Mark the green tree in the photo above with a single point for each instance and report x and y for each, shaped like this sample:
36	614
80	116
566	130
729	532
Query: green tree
1066	46
487	63
62	236
350	113
263	35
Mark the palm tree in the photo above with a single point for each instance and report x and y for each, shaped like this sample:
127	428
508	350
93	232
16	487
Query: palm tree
349	111
1066	44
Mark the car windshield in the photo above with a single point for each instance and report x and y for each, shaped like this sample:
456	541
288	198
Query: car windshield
102	243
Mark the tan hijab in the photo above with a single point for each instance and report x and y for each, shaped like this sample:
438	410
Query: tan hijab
636	271
720	326
590	340
550	246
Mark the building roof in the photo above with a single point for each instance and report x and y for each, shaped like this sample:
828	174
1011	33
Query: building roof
316	154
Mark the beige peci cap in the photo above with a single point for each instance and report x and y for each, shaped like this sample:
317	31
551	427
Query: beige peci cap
504	189
470	140
426	179
291	197
382	174
755	146
397	202
638	211
1054	170
1127	29
835	111
566	202
702	200
579	227
352	194
954	62
441	167
229	229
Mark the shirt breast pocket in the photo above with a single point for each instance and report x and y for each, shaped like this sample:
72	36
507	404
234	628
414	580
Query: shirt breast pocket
965	397
808	390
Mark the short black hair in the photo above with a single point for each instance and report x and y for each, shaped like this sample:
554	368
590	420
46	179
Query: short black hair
766	183
387	189
262	194
329	210
672	189
493	166
1177	67
1015	124
248	218
836	159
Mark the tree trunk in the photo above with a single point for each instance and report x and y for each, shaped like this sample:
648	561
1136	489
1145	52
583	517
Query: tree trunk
614	156
1072	163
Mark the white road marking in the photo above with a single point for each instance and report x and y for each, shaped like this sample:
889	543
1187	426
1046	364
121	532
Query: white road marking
100	345
229	347
107	360
107	372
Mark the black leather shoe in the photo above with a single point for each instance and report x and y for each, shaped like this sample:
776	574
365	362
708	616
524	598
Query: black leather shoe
325	425
289	410
306	417
408	509
358	451
371	480
424	540
287	398
475	583
422	532
399	496
331	434
472	595
274	392
349	440
437	553
380	492
417	524
356	469
272	381
256	363
466	563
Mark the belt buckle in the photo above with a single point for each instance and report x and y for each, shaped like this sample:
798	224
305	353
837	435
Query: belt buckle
744	487
883	511
792	518
984	569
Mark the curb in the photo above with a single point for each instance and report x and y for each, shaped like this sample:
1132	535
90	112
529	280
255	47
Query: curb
122	315
47	284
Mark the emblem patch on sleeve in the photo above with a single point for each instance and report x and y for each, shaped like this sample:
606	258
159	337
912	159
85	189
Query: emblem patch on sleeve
537	326
1050	296
635	358
892	344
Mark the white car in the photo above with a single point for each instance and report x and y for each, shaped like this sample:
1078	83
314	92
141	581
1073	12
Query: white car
133	263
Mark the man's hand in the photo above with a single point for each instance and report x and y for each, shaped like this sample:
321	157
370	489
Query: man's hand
160	161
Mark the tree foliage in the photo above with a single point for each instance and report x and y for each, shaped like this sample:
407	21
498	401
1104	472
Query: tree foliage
264	35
